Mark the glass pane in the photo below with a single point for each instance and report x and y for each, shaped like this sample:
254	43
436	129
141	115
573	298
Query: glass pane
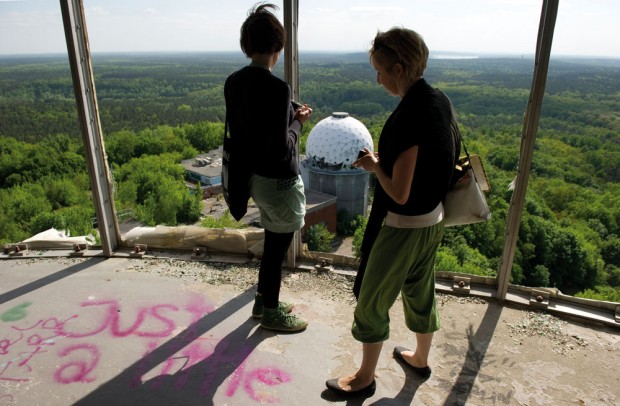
481	57
570	234
160	75
45	197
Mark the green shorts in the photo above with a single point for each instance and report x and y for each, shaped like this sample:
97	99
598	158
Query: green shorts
401	261
281	202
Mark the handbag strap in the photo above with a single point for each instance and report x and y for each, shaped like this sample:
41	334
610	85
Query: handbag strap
455	129
226	125
458	171
459	137
227	142
464	147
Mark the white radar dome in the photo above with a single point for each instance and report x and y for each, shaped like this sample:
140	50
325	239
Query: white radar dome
335	141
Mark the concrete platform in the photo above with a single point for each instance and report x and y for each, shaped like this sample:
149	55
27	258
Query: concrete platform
94	331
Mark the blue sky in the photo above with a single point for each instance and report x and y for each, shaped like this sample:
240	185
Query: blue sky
584	27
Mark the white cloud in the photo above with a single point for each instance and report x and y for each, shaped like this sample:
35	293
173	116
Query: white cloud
95	11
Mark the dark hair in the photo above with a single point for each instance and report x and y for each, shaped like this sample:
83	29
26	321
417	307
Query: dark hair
262	32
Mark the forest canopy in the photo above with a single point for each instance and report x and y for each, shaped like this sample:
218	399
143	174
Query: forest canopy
159	109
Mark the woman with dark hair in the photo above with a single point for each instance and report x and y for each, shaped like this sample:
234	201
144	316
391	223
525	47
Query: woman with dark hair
416	155
264	129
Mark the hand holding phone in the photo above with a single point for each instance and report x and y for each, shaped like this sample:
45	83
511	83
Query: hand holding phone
302	111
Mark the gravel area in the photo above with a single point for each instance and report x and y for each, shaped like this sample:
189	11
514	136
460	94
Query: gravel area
338	287
545	325
332	286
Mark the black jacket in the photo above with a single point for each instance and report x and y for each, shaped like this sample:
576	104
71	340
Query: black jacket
261	122
424	117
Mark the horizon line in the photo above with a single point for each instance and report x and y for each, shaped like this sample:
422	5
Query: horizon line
432	53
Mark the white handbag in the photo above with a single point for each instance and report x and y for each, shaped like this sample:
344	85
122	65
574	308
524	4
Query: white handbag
465	202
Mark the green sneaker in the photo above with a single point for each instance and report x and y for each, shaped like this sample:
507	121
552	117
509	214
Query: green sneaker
259	308
279	320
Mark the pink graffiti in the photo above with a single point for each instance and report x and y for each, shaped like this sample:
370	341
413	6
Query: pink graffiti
25	357
6	343
4	378
29	354
36	342
266	376
179	364
6	399
78	362
49	324
111	320
198	308
77	371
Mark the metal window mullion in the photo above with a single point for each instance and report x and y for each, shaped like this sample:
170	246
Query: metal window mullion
88	112
291	76
291	52
528	138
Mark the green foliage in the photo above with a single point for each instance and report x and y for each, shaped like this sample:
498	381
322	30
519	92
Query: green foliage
610	251
204	136
191	207
539	276
569	259
121	146
346	225
358	235
156	110
54	156
516	275
73	220
62	192
22	203
319	238
153	185
606	293
458	256
226	221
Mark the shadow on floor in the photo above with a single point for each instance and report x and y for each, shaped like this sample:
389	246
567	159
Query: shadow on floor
194	385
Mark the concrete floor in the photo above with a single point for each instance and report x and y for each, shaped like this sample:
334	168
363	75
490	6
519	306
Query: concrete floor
94	331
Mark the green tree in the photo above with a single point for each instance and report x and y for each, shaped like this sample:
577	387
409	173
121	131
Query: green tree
539	276
204	136
120	147
358	235
154	187
226	221
62	192
610	251
319	238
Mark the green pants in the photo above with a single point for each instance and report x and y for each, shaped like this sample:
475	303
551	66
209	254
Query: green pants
401	261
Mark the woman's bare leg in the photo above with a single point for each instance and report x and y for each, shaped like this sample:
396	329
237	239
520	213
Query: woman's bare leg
419	357
366	374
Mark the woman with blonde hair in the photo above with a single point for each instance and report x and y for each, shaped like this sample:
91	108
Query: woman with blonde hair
413	165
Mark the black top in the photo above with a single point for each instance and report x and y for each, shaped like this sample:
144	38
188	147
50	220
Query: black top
261	122
423	118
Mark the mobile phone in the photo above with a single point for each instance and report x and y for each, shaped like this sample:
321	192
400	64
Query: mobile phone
361	153
296	104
